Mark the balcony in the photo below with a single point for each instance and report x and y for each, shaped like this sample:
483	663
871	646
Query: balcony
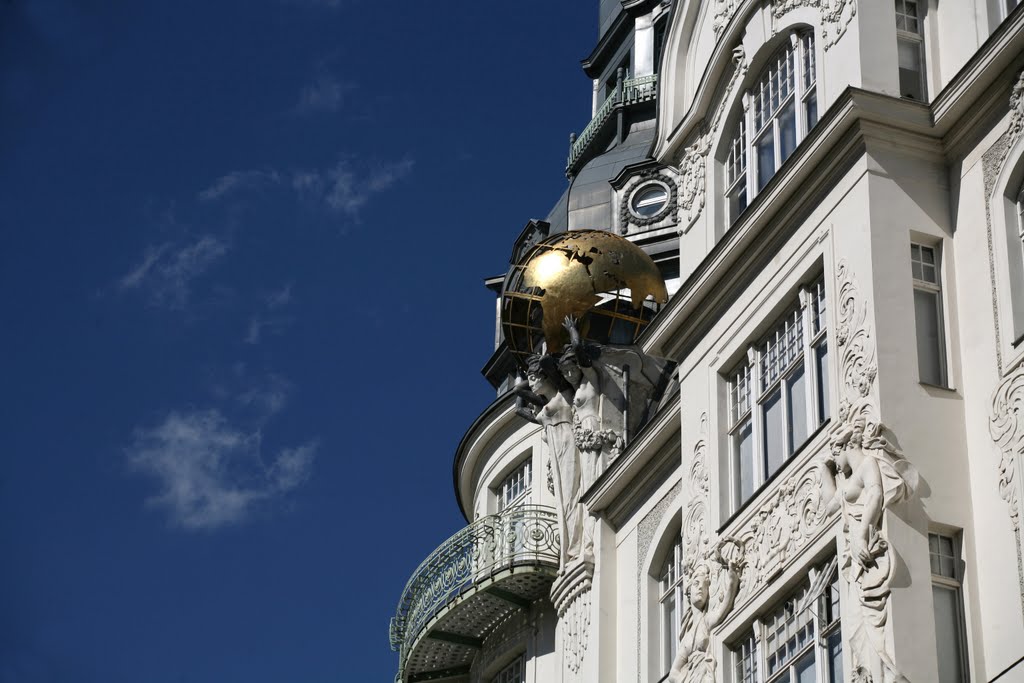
628	92
495	566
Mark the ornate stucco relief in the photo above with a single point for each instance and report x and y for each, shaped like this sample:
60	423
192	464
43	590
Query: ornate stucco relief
645	538
1006	425
711	574
836	16
693	162
863	475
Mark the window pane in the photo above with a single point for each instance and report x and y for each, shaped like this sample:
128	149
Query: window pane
670	633
745	460
821	354
738	202
765	159
930	363
774	448
911	81
787	130
947	633
835	657
805	669
796	390
811	108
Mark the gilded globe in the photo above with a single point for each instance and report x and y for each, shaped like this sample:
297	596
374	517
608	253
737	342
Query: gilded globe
607	283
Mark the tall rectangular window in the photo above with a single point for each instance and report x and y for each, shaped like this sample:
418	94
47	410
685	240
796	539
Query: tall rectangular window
950	632
910	49
779	395
671	586
516	486
799	641
931	347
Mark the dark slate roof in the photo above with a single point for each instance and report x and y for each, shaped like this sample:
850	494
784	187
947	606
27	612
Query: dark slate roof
591	189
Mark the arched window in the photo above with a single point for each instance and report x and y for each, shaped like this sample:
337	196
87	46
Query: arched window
670	589
778	111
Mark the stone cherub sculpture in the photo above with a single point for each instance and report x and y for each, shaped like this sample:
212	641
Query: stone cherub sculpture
711	587
863	475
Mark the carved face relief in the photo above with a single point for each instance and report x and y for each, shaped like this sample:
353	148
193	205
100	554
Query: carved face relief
572	373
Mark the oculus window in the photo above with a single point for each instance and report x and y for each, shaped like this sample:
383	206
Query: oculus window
649	200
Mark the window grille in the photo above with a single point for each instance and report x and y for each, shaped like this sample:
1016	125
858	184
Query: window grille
671	598
516	486
513	673
798	639
783	107
774	409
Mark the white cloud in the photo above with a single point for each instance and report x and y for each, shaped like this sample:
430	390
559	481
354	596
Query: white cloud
343	188
166	271
210	473
267	397
325	94
271	320
239	180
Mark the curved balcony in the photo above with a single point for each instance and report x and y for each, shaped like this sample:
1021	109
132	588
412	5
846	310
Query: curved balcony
495	566
627	92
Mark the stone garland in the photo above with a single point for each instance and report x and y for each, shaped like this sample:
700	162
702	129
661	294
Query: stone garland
836	15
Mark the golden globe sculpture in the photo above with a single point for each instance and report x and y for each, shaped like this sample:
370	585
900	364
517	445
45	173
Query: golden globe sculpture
600	279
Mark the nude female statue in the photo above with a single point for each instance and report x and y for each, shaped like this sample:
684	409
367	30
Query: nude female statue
551	397
864	475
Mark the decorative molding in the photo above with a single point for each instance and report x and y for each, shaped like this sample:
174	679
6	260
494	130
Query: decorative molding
836	16
1016	127
575	621
1006	425
712	572
626	215
645	538
693	162
724	12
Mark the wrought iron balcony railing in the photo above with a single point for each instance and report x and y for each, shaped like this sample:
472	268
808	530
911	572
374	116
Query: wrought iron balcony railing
526	535
627	92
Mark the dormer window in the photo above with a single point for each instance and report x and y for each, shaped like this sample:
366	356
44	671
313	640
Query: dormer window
778	111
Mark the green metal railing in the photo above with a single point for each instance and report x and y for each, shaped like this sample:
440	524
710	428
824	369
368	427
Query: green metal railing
627	92
523	535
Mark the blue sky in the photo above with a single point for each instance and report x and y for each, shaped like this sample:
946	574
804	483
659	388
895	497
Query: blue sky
242	247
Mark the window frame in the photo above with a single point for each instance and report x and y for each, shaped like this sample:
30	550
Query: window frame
953	583
935	289
749	391
513	479
796	58
915	38
505	673
671	589
815	603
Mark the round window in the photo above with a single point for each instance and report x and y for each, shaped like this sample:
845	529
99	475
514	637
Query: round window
650	200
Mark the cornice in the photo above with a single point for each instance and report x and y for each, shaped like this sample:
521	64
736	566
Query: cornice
816	165
598	58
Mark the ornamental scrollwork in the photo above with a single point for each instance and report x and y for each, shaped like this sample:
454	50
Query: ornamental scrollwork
1006	425
693	162
836	16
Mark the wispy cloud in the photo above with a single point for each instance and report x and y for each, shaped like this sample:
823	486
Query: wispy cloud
211	473
166	271
240	180
344	188
270	318
325	94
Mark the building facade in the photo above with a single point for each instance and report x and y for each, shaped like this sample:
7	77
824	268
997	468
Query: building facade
830	488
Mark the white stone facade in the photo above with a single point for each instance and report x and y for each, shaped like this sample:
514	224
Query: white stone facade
828	240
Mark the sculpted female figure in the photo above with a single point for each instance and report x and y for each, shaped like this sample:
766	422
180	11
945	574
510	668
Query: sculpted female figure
551	398
693	661
864	475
